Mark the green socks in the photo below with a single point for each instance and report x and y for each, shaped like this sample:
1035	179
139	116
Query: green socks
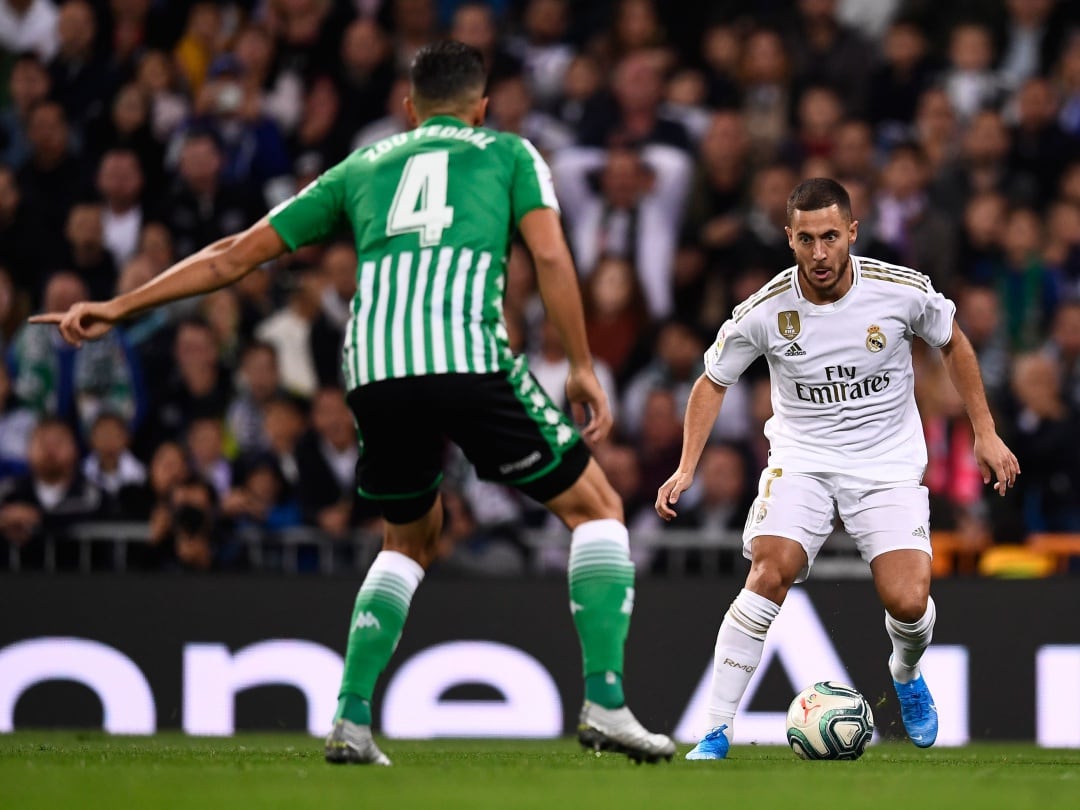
601	601
377	621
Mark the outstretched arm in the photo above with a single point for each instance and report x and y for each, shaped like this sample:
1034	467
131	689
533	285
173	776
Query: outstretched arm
216	265
558	285
990	451
701	411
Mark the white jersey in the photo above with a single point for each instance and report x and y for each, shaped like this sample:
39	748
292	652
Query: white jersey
843	392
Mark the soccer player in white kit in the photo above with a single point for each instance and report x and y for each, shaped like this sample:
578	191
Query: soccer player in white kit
845	438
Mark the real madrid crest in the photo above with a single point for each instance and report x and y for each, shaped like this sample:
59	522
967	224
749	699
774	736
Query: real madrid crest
875	338
788	324
761	512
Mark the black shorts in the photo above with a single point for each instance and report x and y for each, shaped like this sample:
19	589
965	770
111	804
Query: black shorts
505	424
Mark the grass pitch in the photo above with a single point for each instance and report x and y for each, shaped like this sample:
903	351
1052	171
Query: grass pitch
51	770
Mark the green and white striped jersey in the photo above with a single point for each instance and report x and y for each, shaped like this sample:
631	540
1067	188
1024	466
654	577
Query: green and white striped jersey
432	211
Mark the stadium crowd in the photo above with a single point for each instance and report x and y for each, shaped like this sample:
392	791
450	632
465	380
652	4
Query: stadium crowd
133	132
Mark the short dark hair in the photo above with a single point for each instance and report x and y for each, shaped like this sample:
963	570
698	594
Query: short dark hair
446	71
817	193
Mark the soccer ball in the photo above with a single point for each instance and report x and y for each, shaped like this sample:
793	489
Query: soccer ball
829	721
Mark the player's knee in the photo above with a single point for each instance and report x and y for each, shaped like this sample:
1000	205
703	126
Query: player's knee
908	607
769	578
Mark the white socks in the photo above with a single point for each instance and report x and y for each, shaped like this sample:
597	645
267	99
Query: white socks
738	652
909	643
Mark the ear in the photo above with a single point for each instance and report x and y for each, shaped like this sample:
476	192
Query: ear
790	237
410	112
480	112
853	231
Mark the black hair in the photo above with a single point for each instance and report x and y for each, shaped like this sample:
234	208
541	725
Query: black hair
817	193
447	71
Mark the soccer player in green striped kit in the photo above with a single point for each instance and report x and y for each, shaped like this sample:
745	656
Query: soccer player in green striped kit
427	359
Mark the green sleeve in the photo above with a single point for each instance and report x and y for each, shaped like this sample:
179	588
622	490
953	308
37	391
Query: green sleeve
314	213
531	186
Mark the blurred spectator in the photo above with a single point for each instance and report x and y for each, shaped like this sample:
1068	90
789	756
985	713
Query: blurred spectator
321	131
339	270
258	382
198	386
326	465
725	492
616	316
473	23
763	241
51	178
47	499
469	548
978	311
364	76
198	541
198	44
280	93
630	115
81	79
952	473
634	211
970	79
675	366
28	25
126	125
906	221
541	47
686	101
260	500
308	346
392	122
1064	347
622	465
230	106
284	424
1039	146
120	184
24	250
221	311
1046	434
853	154
1029	42
1028	289
764	81
550	366
721	51
897	83
818	115
659	441
980	237
28	85
511	110
826	51
937	129
1061	248
110	465
581	84
169	107
205	446
86	252
635	27
415	24
14	306
202	208
16	424
308	34
53	378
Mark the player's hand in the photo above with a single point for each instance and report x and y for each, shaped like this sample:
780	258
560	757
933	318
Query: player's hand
584	390
997	459
668	494
87	320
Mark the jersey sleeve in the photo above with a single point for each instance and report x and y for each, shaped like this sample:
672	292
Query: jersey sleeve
732	352
530	186
934	321
315	212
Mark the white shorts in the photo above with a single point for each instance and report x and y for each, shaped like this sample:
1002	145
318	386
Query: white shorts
879	516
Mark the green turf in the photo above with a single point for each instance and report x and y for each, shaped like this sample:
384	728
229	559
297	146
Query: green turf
52	770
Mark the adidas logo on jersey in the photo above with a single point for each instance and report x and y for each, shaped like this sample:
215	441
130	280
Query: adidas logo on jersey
920	532
794	350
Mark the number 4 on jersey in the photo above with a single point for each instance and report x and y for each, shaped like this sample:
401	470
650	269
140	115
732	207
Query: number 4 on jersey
420	200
